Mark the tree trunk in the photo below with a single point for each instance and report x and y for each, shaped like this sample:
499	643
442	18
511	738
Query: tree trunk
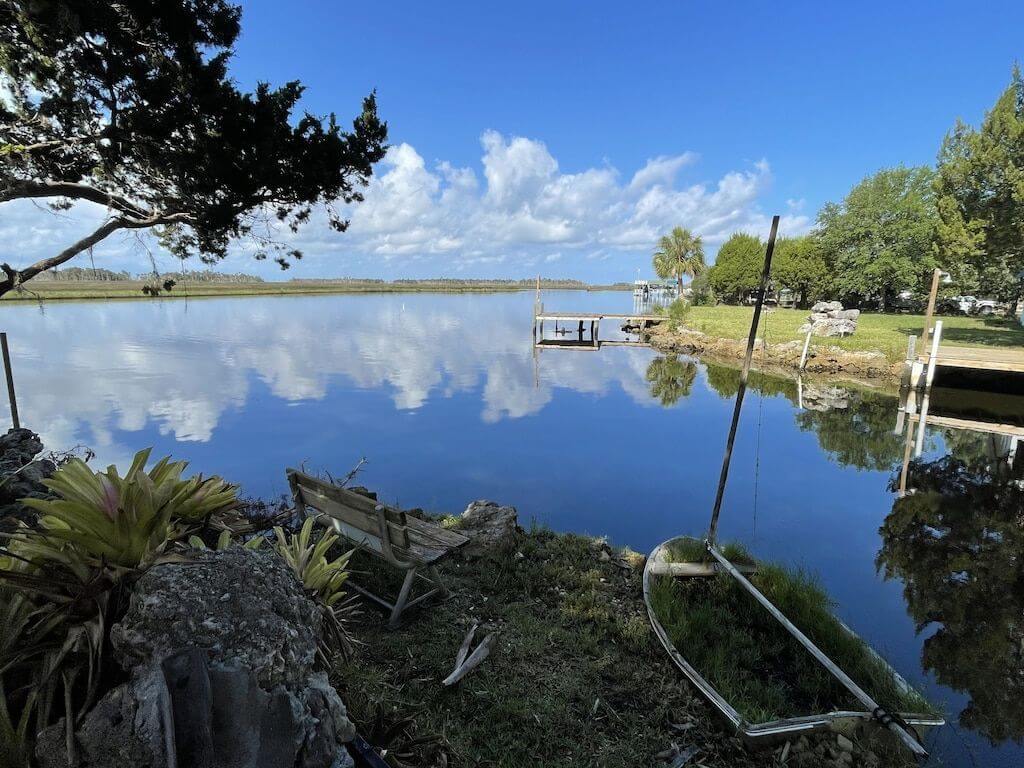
679	281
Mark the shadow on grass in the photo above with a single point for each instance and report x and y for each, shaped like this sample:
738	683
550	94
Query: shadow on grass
997	332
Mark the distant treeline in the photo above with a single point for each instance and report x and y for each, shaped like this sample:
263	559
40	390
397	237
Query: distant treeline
88	274
452	282
75	274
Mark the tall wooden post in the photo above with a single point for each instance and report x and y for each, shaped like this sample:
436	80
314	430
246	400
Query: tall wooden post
713	528
10	381
936	277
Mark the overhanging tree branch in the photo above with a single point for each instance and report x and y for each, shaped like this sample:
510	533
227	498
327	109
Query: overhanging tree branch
15	277
35	189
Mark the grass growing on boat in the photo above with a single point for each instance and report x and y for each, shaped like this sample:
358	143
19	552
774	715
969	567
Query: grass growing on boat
751	660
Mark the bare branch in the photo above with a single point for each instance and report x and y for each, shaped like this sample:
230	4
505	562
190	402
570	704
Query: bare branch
31	189
15	277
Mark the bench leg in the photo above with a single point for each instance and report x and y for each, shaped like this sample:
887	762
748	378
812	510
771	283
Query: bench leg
435	577
403	597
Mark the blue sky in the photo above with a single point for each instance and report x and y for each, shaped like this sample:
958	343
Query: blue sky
519	129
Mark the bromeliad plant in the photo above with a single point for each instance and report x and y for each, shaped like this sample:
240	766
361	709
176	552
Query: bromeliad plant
60	582
309	562
124	522
320	576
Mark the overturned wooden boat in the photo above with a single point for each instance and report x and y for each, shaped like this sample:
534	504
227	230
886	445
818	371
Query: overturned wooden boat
905	725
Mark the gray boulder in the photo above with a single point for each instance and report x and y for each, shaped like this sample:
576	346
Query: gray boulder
490	527
22	475
238	605
827	306
220	652
828	318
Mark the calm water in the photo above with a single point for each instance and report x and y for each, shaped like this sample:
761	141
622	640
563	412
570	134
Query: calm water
445	398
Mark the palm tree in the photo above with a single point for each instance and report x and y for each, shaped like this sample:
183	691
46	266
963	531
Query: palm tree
679	253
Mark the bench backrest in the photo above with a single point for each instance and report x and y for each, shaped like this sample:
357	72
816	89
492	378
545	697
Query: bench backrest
353	515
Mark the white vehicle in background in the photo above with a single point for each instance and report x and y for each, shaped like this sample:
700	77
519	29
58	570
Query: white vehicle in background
965	303
985	307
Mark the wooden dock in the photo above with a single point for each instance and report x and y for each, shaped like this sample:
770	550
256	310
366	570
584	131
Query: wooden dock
924	358
978	358
582	330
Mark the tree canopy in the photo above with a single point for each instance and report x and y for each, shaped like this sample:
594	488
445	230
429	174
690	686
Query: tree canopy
737	268
979	191
680	253
879	239
799	264
130	105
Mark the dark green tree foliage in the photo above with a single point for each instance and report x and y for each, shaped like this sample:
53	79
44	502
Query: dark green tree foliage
880	239
980	198
737	268
956	545
799	264
130	105
671	379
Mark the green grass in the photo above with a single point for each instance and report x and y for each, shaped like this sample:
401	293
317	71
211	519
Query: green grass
875	332
577	677
132	289
751	659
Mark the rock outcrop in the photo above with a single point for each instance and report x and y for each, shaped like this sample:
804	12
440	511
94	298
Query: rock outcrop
22	474
828	318
236	629
490	527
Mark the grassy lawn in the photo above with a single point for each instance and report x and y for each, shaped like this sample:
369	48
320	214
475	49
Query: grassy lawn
875	332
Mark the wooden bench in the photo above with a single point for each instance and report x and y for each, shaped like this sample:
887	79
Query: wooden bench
407	543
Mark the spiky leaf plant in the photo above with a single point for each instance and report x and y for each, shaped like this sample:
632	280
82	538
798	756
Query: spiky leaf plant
310	564
124	521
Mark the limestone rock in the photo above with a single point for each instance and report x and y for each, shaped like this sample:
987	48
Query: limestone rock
827	306
223	646
126	729
489	526
22	474
828	318
237	604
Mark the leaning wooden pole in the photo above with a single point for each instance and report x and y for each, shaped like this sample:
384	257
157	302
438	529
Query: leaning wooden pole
713	528
10	380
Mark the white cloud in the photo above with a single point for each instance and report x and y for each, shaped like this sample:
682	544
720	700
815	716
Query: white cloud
522	210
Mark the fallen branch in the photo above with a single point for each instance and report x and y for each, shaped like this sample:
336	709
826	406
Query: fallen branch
463	664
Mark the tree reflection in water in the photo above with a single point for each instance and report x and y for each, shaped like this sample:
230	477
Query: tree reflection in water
671	379
957	543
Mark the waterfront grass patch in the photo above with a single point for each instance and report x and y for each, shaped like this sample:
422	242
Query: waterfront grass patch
576	677
751	659
875	332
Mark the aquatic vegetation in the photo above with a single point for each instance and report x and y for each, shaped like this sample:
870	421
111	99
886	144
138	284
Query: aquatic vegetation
751	659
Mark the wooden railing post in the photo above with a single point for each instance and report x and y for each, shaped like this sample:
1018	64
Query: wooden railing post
936	277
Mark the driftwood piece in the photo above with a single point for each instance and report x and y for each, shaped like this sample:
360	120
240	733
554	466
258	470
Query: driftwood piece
463	664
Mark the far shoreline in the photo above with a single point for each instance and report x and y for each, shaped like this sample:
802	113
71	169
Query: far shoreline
85	290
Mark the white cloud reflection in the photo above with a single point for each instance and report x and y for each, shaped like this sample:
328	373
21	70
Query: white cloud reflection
88	371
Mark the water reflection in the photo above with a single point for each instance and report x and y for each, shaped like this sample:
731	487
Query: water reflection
956	541
671	379
107	368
